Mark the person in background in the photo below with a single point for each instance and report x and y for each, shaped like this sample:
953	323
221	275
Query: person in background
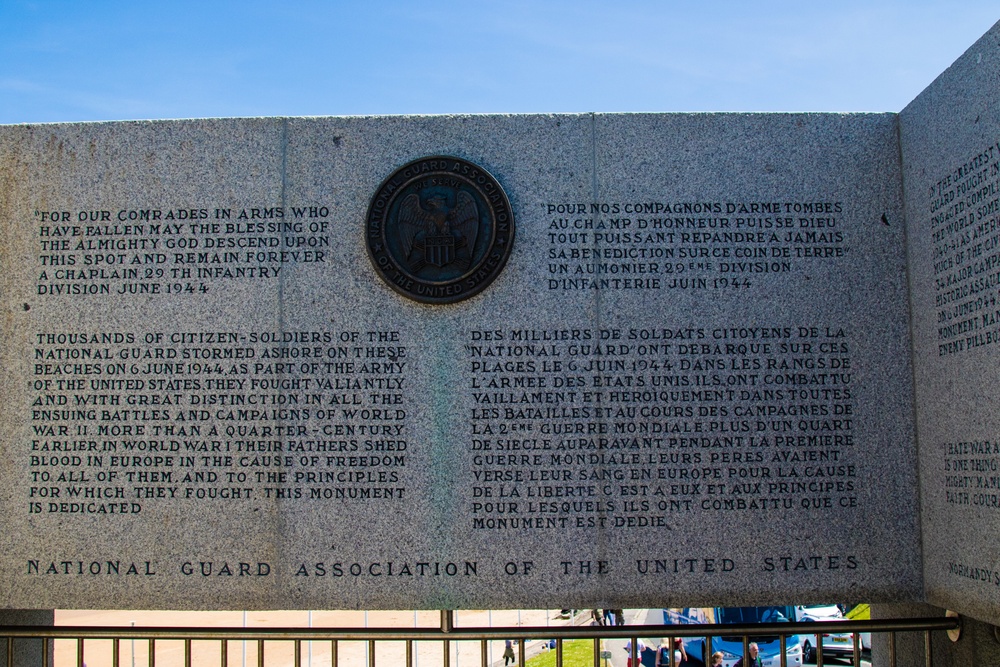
663	653
680	653
716	659
752	659
508	653
639	648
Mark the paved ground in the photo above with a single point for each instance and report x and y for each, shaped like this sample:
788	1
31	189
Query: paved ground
98	653
833	662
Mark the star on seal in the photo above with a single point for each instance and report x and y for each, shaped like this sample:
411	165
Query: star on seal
439	229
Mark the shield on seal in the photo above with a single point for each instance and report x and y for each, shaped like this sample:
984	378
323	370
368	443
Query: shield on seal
439	250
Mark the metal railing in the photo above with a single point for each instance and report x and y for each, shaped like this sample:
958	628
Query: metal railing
448	633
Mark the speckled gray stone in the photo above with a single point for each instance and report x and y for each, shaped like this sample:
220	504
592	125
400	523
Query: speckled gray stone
691	383
949	137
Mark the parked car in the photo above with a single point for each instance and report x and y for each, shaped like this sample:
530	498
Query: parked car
732	647
835	645
862	612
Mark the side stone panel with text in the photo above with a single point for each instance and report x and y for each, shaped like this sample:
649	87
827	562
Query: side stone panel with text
952	181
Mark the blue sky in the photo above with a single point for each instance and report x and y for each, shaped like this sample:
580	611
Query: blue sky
109	59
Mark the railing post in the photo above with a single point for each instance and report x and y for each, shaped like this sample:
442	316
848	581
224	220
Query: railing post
24	651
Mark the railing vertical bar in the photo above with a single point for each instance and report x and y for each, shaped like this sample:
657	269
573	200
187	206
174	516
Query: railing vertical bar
819	650
521	650
559	652
634	650
152	653
298	653
783	647
892	649
857	649
927	648
334	647
371	653
10	652
706	650
116	652
79	652
447	625
483	657
45	652
223	654
746	647
409	653
260	653
187	653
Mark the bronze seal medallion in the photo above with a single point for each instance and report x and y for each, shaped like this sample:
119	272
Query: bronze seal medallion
439	229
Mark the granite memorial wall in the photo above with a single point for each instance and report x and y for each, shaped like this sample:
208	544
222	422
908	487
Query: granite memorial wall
489	361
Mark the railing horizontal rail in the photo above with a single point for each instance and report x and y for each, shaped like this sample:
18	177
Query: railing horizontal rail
468	633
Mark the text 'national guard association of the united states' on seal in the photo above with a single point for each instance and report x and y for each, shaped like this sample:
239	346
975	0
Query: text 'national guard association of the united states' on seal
439	229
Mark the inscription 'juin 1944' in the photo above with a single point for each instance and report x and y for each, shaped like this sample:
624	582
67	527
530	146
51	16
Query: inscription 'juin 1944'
439	230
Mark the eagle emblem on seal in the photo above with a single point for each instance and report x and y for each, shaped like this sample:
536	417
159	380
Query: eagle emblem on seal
438	227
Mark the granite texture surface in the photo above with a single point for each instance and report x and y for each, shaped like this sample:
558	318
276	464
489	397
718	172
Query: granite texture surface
690	384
